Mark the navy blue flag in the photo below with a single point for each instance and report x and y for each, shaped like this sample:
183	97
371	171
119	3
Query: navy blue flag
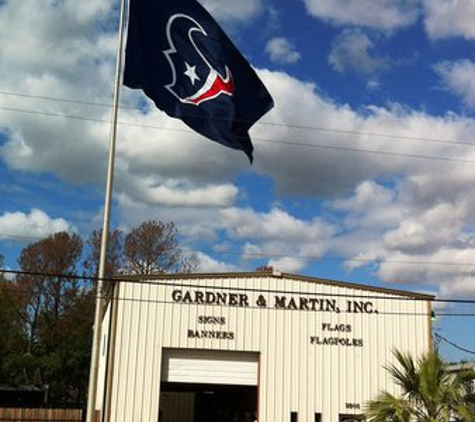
182	60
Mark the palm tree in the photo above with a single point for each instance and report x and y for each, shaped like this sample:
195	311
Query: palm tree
429	392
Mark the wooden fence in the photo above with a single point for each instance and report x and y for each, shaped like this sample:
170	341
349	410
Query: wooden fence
9	414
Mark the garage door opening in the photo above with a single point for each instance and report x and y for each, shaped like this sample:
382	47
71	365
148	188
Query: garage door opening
207	403
208	386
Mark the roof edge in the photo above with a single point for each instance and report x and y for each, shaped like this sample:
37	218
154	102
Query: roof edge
276	274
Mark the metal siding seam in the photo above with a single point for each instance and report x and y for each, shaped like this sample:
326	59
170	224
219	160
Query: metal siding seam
139	379
135	347
124	381
154	390
145	416
158	355
118	357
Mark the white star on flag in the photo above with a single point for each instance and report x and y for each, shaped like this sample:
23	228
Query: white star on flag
191	73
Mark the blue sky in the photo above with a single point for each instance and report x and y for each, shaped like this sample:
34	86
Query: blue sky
364	171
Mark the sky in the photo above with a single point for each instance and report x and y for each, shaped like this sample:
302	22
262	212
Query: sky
364	170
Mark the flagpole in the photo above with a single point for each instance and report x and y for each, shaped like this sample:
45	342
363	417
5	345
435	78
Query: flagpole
100	300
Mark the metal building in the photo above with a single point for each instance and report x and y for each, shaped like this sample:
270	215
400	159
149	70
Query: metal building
253	346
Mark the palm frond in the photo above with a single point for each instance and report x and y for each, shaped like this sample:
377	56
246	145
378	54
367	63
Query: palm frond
388	408
429	392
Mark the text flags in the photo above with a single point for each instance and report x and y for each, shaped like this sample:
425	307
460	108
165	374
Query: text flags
182	60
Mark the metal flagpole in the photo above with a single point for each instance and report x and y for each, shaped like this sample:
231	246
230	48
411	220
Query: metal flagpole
100	301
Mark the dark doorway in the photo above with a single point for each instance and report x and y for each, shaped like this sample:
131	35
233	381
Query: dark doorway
207	403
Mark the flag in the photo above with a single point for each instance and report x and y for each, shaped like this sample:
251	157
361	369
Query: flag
183	61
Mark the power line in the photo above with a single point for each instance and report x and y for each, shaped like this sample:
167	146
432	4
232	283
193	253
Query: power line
367	151
58	99
302	257
335	258
142	300
263	122
463	349
168	281
292	143
4	236
266	291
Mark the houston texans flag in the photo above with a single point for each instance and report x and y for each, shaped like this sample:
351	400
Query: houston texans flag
182	60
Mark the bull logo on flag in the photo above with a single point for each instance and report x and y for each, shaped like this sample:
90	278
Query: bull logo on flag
194	79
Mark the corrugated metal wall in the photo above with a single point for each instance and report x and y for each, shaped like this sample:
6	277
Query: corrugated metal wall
300	369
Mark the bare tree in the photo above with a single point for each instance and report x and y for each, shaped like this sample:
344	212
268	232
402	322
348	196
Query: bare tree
152	248
115	253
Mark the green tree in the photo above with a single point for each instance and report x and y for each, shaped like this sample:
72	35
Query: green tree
44	287
65	358
46	312
11	329
429	392
56	310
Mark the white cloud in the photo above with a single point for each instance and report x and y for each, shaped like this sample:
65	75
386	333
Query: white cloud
132	212
80	67
172	174
351	51
444	18
65	39
371	205
287	264
448	270
381	14
276	224
331	133
282	51
36	224
459	77
155	144
393	207
61	54
459	287
290	241
209	265
431	228
231	10
155	154
411	236
152	190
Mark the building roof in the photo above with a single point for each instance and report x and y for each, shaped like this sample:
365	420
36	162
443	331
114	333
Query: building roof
278	275
461	366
